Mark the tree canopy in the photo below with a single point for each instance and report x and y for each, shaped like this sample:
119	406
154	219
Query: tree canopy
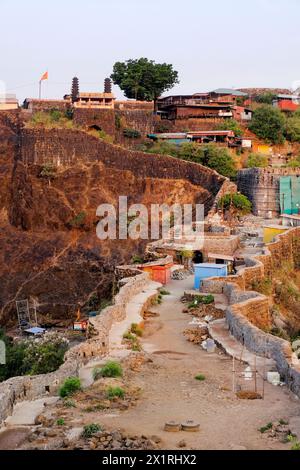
293	128
230	125
237	202
210	155
143	79
257	160
268	123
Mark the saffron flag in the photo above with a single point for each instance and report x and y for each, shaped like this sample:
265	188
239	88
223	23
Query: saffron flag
45	76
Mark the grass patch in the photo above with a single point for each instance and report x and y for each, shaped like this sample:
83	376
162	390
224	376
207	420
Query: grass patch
92	409
266	428
201	300
296	446
111	369
78	220
60	422
136	330
164	292
115	392
263	286
69	387
69	404
90	429
200	377
283	422
129	336
132	337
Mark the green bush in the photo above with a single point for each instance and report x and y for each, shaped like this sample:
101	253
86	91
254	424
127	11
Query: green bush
268	123
115	392
69	404
296	446
111	369
202	299
257	160
210	155
48	171
129	336
200	377
60	422
294	163
265	98
263	286
292	130
30	357
137	259
266	428
69	387
90	430
230	125
131	133
163	148
78	220
237	201
51	119
136	330
164	292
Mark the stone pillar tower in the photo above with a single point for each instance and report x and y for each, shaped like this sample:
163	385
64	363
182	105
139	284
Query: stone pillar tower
75	89
107	85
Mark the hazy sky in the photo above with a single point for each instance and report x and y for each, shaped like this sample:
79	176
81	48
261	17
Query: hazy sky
215	43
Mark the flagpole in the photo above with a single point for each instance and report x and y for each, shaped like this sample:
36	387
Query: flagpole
40	89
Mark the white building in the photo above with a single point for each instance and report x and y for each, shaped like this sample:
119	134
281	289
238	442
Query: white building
8	102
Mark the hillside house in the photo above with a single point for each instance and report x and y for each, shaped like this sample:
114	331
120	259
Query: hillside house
8	102
213	106
287	103
95	100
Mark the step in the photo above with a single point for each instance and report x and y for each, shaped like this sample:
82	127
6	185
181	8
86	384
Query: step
219	331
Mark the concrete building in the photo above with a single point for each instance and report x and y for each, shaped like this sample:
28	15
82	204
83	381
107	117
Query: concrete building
8	102
287	103
95	100
216	105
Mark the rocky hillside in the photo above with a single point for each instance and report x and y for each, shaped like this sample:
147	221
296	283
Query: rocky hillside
52	182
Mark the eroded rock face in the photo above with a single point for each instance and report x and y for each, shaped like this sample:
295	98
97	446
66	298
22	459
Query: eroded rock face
49	248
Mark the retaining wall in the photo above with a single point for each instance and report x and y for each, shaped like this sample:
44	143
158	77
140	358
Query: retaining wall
248	314
32	387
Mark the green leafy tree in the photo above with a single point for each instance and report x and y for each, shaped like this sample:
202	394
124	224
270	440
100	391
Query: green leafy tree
163	148
293	128
220	160
265	98
29	357
268	123
143	79
210	155
230	125
238	202
257	160
294	163
216	158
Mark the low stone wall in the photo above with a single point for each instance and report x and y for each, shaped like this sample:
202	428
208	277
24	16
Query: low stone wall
29	388
248	314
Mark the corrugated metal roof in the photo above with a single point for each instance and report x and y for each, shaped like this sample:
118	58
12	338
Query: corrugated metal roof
229	91
289	97
229	133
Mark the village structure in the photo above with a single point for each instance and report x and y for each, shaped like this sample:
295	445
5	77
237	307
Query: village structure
202	331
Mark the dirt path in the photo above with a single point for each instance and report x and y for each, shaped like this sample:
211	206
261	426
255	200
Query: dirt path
170	391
